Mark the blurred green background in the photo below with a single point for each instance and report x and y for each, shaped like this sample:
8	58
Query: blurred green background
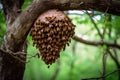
79	60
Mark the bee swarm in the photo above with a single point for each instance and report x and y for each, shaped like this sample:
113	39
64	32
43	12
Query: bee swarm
50	33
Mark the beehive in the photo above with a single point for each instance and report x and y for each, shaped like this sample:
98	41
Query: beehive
50	33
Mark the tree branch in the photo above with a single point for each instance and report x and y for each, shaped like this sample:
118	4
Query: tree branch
114	58
22	25
97	78
12	9
19	25
104	59
15	55
96	43
95	25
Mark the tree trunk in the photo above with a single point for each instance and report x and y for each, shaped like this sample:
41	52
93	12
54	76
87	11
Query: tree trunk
19	24
11	68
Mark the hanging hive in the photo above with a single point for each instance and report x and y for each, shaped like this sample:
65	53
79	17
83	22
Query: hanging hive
50	33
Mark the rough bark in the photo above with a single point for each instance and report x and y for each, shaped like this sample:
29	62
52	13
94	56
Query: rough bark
11	68
19	25
24	21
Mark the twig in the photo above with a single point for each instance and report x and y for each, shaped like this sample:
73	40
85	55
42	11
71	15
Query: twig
96	43
104	28
21	54
97	78
12	54
114	58
80	14
115	51
34	55
95	25
104	58
116	61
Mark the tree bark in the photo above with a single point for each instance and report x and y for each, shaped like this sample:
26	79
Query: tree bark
96	43
10	68
19	24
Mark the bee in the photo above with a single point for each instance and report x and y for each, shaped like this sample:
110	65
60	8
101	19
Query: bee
72	33
47	29
33	33
56	49
66	24
47	54
49	39
39	42
42	23
73	28
56	24
32	30
54	30
60	24
66	19
35	37
42	51
62	33
51	26
51	32
53	18
69	28
58	37
65	29
48	18
53	57
44	40
58	29
48	34
37	23
63	48
56	21
41	31
67	44
48	47
38	37
43	58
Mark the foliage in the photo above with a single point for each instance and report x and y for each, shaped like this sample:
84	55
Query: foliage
115	24
26	3
2	26
83	62
86	60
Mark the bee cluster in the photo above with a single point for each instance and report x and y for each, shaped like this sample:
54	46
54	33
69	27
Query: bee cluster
50	33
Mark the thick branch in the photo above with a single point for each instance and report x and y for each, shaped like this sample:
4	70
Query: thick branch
11	10
23	23
10	68
96	43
